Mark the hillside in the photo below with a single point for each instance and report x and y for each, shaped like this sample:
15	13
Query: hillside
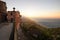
55	32
34	31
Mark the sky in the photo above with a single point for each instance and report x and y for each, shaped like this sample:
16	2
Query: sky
36	8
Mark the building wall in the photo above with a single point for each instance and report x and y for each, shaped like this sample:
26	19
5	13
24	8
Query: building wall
3	11
14	15
10	15
3	7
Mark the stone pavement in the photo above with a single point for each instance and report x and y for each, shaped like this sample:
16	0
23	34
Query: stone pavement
5	30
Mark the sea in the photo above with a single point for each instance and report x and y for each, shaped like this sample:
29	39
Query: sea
50	23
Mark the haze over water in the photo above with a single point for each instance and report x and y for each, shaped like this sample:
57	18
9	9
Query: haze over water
50	23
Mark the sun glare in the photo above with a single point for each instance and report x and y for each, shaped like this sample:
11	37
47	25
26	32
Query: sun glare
40	14
29	13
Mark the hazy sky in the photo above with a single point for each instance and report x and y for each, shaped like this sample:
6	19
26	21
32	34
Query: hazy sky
36	8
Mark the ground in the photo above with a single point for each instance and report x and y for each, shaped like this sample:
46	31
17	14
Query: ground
6	30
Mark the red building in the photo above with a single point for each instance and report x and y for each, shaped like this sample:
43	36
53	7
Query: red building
9	16
13	16
3	11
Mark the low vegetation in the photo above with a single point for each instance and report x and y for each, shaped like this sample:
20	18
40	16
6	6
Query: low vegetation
37	32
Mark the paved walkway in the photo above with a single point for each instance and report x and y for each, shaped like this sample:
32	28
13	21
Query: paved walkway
5	30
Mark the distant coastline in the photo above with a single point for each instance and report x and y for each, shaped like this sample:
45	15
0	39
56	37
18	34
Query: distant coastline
50	23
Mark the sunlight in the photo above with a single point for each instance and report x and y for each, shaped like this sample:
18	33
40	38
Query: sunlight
40	14
29	13
34	13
